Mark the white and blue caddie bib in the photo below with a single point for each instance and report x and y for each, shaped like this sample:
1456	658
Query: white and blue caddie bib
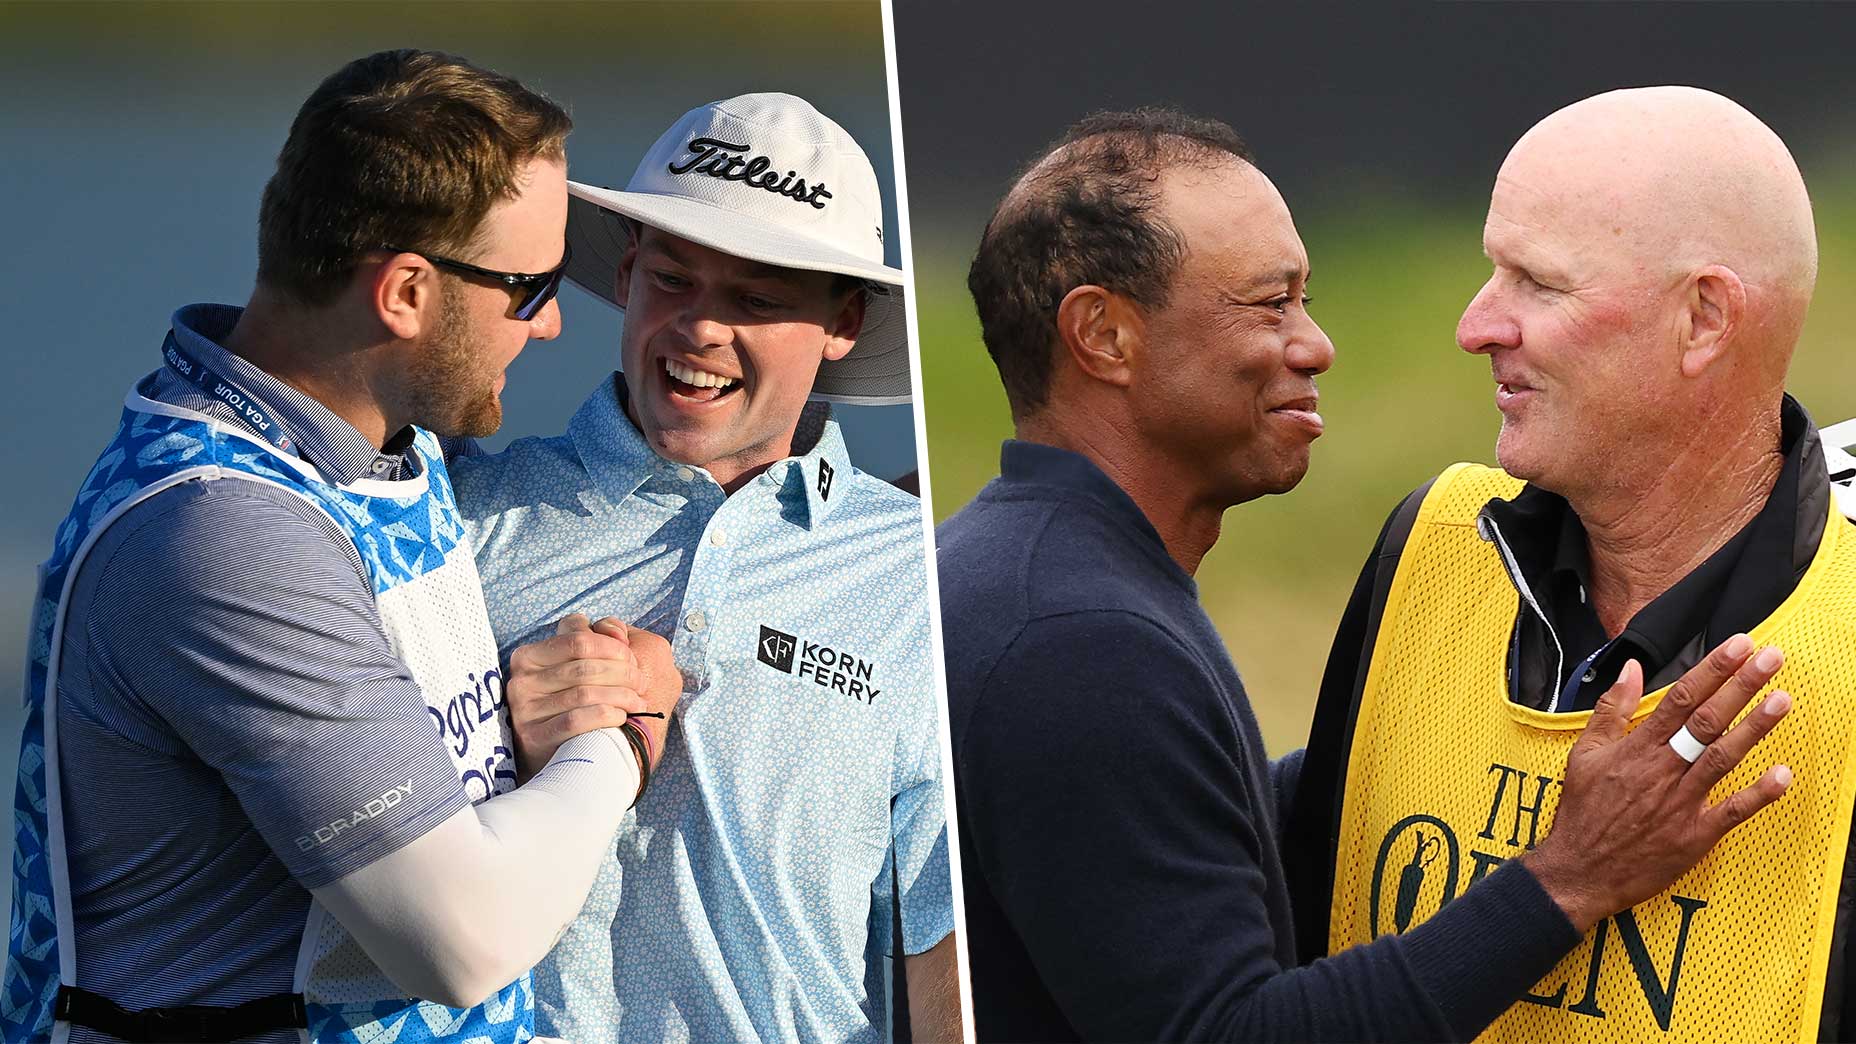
431	604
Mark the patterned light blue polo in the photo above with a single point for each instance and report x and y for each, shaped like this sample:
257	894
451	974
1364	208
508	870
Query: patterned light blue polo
751	888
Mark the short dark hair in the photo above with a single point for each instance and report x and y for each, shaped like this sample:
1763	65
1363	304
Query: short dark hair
405	149
1079	218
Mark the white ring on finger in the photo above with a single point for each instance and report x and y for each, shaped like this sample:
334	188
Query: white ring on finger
1685	744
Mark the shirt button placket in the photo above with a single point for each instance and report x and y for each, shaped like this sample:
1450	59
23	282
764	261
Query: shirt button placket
696	622
692	646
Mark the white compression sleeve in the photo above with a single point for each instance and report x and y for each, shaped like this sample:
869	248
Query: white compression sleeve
479	899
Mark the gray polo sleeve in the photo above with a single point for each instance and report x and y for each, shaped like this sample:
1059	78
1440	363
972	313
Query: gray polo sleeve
230	623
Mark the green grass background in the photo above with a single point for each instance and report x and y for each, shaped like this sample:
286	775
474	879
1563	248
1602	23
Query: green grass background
1389	281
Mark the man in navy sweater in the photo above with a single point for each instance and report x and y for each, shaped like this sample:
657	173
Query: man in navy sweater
1142	291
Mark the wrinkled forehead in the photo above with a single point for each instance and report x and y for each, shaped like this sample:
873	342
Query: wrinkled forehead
1230	216
1571	203
1665	179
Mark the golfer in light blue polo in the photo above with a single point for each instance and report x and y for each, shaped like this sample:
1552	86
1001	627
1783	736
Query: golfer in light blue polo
704	493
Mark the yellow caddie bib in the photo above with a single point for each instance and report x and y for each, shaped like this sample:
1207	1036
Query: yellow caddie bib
1448	778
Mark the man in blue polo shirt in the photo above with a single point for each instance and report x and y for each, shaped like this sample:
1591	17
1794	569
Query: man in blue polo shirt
798	811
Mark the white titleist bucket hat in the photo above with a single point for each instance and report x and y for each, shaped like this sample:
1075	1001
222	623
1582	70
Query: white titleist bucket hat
768	178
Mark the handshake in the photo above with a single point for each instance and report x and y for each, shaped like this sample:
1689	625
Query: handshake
591	676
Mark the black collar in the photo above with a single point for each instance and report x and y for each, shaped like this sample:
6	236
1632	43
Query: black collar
1029	468
1732	591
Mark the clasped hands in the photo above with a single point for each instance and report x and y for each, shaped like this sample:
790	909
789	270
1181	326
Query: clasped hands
589	676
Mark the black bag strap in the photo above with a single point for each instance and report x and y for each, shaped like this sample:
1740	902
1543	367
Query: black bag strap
199	1023
1309	836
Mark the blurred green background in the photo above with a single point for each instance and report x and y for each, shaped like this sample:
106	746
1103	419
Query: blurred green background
1383	128
1400	402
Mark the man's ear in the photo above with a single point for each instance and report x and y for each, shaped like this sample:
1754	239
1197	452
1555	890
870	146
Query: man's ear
1714	307
622	287
841	337
405	294
1102	333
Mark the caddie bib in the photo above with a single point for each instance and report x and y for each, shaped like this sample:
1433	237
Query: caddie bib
425	583
1448	778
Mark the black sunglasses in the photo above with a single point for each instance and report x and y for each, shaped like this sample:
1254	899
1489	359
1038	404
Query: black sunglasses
537	288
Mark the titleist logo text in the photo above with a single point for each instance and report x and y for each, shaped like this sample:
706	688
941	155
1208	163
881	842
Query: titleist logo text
731	162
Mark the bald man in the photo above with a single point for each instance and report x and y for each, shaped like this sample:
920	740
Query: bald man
1119	820
1653	257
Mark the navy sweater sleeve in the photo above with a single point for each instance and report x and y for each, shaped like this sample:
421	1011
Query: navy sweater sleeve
1125	840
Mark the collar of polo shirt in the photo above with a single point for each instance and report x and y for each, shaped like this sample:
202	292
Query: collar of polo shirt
619	460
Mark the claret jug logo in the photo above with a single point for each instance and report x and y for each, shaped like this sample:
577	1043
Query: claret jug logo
818	663
1423	862
1426	838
